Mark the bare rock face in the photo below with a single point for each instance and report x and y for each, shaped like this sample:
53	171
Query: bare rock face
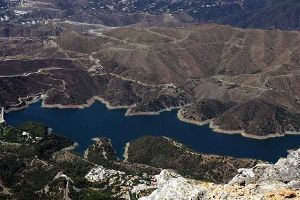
264	181
286	170
173	186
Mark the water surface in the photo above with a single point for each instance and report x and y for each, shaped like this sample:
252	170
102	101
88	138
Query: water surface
81	125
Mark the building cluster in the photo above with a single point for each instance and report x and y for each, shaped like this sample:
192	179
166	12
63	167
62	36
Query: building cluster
127	184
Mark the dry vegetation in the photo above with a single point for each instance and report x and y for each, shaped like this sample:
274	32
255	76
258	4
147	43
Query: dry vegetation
154	68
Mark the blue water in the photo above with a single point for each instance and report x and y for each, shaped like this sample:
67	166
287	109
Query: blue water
97	121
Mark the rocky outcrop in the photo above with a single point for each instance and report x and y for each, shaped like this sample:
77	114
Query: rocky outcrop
264	181
173	186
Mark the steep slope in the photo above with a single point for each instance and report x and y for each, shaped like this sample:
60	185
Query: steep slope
264	181
215	74
166	153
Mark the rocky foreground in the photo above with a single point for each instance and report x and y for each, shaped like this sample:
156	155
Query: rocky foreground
36	163
264	181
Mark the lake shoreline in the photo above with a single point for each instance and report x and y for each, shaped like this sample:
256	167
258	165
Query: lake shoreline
81	126
217	129
24	103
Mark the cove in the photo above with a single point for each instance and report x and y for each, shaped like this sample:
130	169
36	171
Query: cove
81	125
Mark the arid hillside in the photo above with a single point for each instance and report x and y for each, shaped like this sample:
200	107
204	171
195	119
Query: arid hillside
240	80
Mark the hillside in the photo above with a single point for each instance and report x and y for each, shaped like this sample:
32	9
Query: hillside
269	14
263	181
216	74
37	163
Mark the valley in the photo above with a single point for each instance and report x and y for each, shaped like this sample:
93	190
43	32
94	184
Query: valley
122	67
135	99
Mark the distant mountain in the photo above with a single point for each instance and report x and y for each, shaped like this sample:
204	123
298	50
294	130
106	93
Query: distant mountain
268	14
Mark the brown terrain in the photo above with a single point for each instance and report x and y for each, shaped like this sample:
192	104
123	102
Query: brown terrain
238	80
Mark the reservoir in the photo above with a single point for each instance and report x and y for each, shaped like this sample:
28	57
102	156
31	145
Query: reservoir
81	125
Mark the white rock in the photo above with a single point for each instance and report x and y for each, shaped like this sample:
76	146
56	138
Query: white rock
255	183
171	186
24	133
